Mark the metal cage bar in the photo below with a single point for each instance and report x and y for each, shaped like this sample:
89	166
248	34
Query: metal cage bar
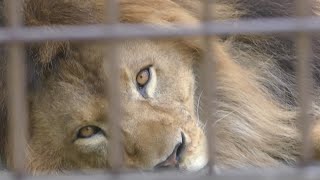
209	86
17	104
113	89
284	174
133	31
304	81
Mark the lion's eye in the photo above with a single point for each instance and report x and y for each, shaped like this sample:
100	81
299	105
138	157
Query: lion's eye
88	131
143	77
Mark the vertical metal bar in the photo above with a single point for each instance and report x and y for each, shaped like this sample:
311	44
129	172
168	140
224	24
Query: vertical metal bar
17	103
304	80
113	87
209	87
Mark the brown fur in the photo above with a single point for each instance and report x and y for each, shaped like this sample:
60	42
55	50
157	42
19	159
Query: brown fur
255	126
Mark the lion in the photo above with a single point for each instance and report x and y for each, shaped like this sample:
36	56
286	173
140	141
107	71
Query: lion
162	124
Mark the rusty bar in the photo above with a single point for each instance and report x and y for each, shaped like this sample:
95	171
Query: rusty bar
304	80
209	86
113	88
133	31
17	102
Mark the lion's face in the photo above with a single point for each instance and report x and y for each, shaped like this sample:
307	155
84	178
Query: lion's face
70	129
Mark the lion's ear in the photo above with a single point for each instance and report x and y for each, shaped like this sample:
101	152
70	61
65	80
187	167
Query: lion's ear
58	12
48	52
42	59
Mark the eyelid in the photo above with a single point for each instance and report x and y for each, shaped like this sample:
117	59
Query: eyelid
145	67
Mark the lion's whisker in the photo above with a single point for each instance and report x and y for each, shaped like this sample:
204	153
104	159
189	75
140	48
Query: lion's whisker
215	123
198	106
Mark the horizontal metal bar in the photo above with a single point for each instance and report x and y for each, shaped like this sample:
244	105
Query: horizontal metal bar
310	173
129	31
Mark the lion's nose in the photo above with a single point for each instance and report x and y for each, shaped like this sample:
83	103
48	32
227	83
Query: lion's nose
174	159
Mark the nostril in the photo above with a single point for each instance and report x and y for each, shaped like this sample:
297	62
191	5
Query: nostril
181	147
174	159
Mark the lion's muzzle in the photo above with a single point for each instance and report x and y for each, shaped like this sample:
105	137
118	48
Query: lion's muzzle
173	160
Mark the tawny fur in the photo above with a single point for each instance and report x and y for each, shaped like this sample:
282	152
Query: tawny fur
256	96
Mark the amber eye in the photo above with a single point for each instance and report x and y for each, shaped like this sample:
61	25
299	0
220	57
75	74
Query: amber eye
88	131
143	77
